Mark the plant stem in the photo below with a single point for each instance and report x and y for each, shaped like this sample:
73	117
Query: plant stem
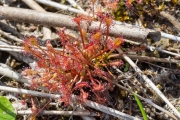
75	5
110	111
8	35
46	112
150	59
60	6
29	92
7	71
153	48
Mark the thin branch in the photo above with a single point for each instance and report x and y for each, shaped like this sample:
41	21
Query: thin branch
8	72
152	48
149	82
81	108
11	30
11	46
146	58
18	56
59	20
60	6
110	111
8	35
4	40
10	49
33	5
46	112
75	5
164	51
169	36
29	92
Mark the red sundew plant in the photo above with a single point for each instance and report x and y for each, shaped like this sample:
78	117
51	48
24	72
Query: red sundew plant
81	68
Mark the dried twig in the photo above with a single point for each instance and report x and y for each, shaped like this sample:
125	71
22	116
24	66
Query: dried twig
8	35
11	49
149	82
152	48
33	5
75	5
7	71
30	92
60	6
18	56
169	36
11	30
46	112
163	51
58	20
146	58
110	111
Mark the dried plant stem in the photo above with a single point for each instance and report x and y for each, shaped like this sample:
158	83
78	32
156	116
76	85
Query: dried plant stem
11	46
6	27
146	58
18	56
169	36
7	71
172	19
60	6
164	51
153	48
58	20
80	108
149	82
33	5
110	111
29	92
46	112
75	5
8	35
10	49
